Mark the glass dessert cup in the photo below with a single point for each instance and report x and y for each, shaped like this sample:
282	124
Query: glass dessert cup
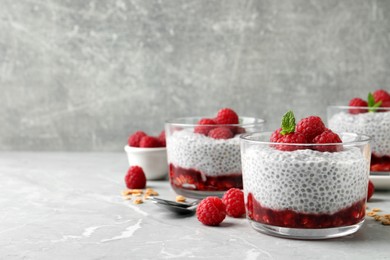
201	166
305	193
374	124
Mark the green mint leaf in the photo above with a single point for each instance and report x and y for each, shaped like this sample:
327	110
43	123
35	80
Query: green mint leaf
288	123
372	106
370	100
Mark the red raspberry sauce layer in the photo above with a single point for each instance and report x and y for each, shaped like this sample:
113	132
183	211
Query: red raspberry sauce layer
191	179
380	164
292	219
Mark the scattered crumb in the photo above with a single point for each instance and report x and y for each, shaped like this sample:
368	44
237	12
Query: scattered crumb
138	201
180	198
386	222
131	191
135	194
151	192
127	197
384	219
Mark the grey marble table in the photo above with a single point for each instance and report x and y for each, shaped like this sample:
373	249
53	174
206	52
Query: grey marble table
68	206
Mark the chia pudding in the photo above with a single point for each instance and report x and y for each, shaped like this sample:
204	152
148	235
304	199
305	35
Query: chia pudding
305	188
376	125
199	165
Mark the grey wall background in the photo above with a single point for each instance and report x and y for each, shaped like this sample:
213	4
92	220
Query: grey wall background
82	75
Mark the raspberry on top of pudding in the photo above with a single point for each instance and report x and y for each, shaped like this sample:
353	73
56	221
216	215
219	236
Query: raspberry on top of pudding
309	130
379	99
303	176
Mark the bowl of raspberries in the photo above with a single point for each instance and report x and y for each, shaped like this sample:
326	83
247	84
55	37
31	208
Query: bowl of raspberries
148	152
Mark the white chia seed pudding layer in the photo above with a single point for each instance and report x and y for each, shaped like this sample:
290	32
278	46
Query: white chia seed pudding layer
305	181
376	125
211	157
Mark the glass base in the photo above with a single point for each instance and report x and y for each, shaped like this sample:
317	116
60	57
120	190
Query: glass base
306	233
198	194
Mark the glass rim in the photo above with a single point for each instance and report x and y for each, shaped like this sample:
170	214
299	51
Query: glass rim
350	107
365	140
176	121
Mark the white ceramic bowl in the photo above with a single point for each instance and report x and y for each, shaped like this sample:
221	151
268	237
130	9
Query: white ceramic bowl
152	160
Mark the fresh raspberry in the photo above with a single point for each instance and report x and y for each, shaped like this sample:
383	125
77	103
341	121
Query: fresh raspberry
202	129
381	95
292	138
226	116
161	139
276	136
135	178
327	137
135	138
384	107
234	202
240	130
357	102
211	211
149	142
220	133
310	127
385	104
371	189
287	134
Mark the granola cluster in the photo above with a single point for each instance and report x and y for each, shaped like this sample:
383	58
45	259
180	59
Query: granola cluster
384	219
138	195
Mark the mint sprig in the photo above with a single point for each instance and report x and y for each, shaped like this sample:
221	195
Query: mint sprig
288	123
372	106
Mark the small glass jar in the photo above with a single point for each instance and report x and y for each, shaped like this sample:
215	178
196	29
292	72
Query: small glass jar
374	124
201	166
303	191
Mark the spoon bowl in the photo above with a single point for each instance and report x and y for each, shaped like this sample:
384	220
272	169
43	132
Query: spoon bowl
176	207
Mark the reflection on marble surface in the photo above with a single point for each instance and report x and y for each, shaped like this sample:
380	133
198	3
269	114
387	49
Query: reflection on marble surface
68	205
